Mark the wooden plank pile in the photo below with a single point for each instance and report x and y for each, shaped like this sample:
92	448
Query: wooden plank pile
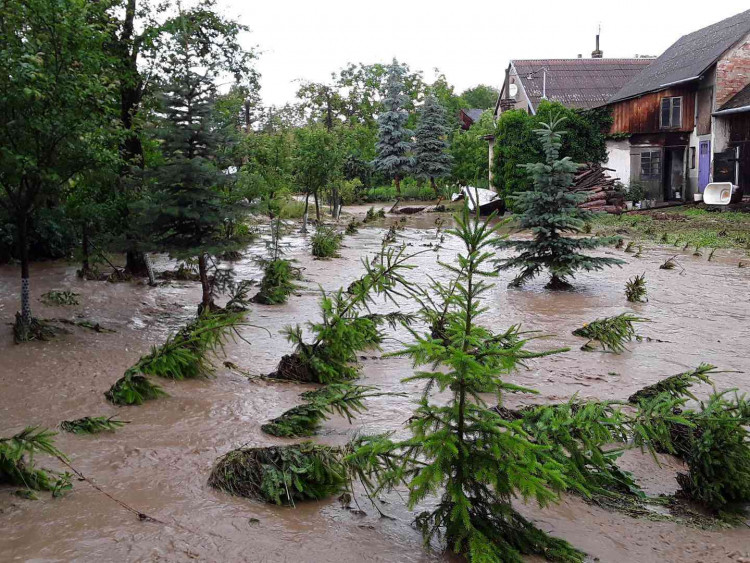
599	188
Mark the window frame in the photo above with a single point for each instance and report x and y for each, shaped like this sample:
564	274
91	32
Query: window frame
671	101
652	172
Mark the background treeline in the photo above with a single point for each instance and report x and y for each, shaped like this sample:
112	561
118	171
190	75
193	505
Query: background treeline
93	195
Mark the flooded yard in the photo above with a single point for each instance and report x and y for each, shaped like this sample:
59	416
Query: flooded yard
159	463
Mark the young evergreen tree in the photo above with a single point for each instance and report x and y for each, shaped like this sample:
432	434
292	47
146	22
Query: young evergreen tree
430	149
460	448
549	211
187	212
394	141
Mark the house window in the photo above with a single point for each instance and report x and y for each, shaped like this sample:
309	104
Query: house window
651	164
692	157
671	112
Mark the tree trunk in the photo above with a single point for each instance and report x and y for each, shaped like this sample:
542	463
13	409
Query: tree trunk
150	270
206	301
135	263
304	217
398	184
434	186
335	197
23	252
85	264
317	206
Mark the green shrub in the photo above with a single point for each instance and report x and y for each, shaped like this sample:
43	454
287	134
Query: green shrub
278	282
281	474
716	449
92	424
17	462
611	333
676	385
351	191
60	297
343	330
133	389
304	420
635	289
291	208
183	356
326	242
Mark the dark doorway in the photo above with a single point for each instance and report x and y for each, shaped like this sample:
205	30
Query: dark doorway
674	173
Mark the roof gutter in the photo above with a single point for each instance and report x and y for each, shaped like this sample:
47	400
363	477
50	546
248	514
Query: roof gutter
730	111
676	82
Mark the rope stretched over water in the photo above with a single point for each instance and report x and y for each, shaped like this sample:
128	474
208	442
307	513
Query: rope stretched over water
142	516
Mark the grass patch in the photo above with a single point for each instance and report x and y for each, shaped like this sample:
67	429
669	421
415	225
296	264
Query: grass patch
694	227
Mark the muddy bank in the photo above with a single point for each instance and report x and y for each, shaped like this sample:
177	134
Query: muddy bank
160	462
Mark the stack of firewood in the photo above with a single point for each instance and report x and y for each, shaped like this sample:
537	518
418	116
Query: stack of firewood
599	188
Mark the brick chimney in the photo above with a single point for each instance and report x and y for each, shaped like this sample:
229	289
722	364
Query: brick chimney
597	53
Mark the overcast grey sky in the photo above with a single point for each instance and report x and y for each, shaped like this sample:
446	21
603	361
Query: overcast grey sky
470	41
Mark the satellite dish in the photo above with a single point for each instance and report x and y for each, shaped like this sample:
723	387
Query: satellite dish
513	90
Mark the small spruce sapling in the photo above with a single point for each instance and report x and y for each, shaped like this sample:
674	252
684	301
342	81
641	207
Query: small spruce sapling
346	327
549	211
279	274
460	449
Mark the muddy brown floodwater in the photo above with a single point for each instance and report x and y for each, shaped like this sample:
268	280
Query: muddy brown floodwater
160	462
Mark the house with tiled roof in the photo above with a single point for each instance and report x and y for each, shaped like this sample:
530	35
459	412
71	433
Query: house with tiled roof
576	83
684	120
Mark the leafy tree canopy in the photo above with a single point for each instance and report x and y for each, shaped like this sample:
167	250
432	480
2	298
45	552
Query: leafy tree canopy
516	144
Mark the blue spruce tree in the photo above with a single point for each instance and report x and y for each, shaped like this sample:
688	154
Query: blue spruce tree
549	211
394	139
431	159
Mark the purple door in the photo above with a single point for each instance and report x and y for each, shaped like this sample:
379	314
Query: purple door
704	165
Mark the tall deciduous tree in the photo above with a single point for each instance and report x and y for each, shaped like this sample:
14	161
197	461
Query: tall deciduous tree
394	139
470	153
480	96
188	211
549	211
431	159
318	162
57	89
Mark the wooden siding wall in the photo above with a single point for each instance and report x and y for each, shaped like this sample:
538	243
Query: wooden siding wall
641	115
